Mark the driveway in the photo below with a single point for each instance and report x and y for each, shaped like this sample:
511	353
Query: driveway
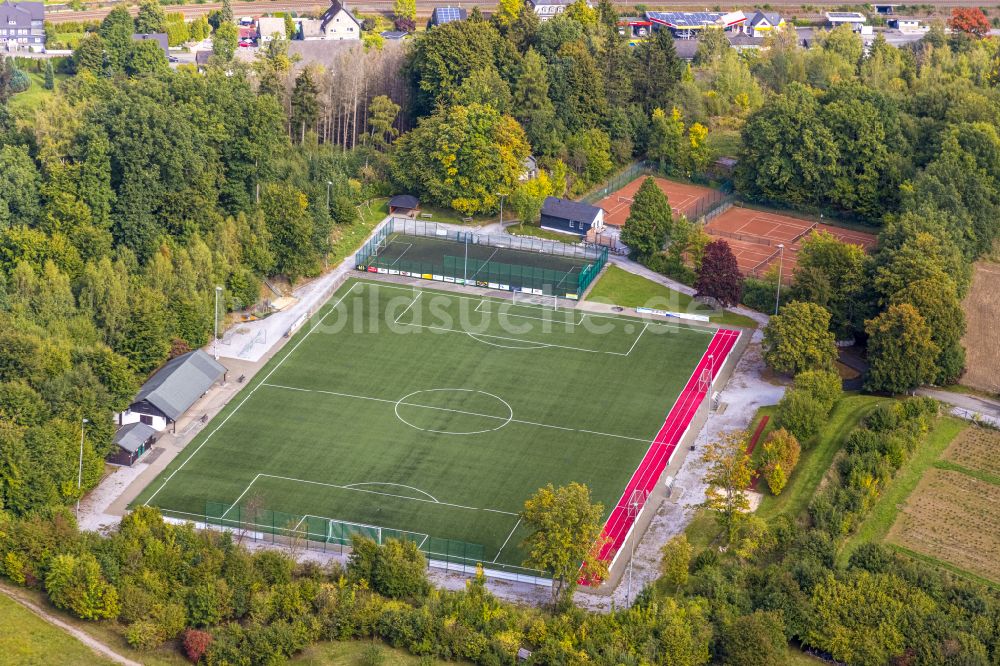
966	406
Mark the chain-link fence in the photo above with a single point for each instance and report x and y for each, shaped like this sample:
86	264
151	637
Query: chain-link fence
413	248
329	535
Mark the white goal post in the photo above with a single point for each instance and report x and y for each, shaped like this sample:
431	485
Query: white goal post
524	298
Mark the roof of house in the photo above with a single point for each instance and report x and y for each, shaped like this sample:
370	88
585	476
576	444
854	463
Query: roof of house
180	382
846	17
536	3
568	209
442	15
333	10
130	437
773	18
686	48
22	13
404	201
394	34
741	39
158	37
695	20
267	26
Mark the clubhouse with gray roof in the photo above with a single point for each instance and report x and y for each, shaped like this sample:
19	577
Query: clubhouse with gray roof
172	390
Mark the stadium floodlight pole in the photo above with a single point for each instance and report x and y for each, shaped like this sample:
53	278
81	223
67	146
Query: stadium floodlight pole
79	474
329	184
635	518
501	209
781	256
711	380
215	322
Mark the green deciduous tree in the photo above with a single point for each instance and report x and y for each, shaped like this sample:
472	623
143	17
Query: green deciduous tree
832	274
145	57
757	639
801	414
666	140
484	86
19	187
116	31
675	558
779	457
529	197
824	385
225	39
291	230
382	114
938	303
564	526
798	338
150	18
76	584
461	157
901	350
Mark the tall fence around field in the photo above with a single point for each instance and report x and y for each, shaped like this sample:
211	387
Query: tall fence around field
329	535
512	263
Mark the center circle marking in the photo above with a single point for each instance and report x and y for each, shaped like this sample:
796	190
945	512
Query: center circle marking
402	402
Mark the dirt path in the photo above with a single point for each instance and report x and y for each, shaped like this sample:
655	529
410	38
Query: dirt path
80	635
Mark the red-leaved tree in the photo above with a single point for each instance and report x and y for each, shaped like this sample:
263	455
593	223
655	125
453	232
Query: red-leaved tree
970	20
719	277
196	642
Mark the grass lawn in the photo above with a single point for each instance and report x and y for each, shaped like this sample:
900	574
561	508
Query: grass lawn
32	98
538	232
724	142
876	525
816	458
629	290
451	216
28	640
436	414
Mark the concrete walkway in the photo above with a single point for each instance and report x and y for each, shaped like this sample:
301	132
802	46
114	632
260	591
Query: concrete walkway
972	407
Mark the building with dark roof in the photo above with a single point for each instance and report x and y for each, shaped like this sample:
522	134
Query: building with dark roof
171	391
442	15
571	217
404	204
22	26
159	37
131	441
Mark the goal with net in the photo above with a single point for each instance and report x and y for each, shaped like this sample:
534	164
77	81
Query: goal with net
543	300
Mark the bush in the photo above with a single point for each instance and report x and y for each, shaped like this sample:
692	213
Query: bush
824	385
144	635
780	456
19	82
800	414
884	417
196	642
372	655
755	639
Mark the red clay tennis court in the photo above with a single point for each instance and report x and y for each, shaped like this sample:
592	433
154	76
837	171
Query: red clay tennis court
754	236
684	199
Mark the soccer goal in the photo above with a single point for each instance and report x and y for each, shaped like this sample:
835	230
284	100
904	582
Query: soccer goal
543	300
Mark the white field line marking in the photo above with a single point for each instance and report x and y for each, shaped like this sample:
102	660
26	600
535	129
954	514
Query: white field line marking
538	344
457	411
239	498
396	261
419	294
506	540
634	342
671	325
386	483
252	391
375	492
535	345
484	265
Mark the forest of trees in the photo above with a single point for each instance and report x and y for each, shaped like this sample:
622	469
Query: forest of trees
133	190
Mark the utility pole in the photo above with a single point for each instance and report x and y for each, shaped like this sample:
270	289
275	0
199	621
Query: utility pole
501	209
329	184
215	321
79	474
781	256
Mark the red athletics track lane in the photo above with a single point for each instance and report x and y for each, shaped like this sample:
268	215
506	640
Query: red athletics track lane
662	448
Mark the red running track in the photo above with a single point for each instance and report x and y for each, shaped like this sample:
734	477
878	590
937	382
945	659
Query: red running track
661	450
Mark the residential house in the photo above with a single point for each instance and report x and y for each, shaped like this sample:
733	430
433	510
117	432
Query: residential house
571	217
171	391
762	24
907	24
22	26
159	37
442	15
854	19
339	24
744	42
270	27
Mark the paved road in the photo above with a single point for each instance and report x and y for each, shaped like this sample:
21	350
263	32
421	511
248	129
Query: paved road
967	405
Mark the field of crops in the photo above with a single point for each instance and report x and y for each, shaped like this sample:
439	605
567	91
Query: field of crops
977	449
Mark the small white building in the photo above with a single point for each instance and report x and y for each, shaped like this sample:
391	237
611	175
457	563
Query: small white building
269	27
546	9
854	19
907	25
172	390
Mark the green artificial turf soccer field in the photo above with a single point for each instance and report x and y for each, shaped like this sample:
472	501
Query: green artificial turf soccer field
437	413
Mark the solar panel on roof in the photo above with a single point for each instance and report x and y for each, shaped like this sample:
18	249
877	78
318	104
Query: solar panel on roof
448	14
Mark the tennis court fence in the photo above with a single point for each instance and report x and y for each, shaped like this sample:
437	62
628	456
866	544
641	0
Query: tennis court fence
515	263
329	535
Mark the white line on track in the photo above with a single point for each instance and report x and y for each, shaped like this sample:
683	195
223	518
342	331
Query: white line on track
419	294
506	540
